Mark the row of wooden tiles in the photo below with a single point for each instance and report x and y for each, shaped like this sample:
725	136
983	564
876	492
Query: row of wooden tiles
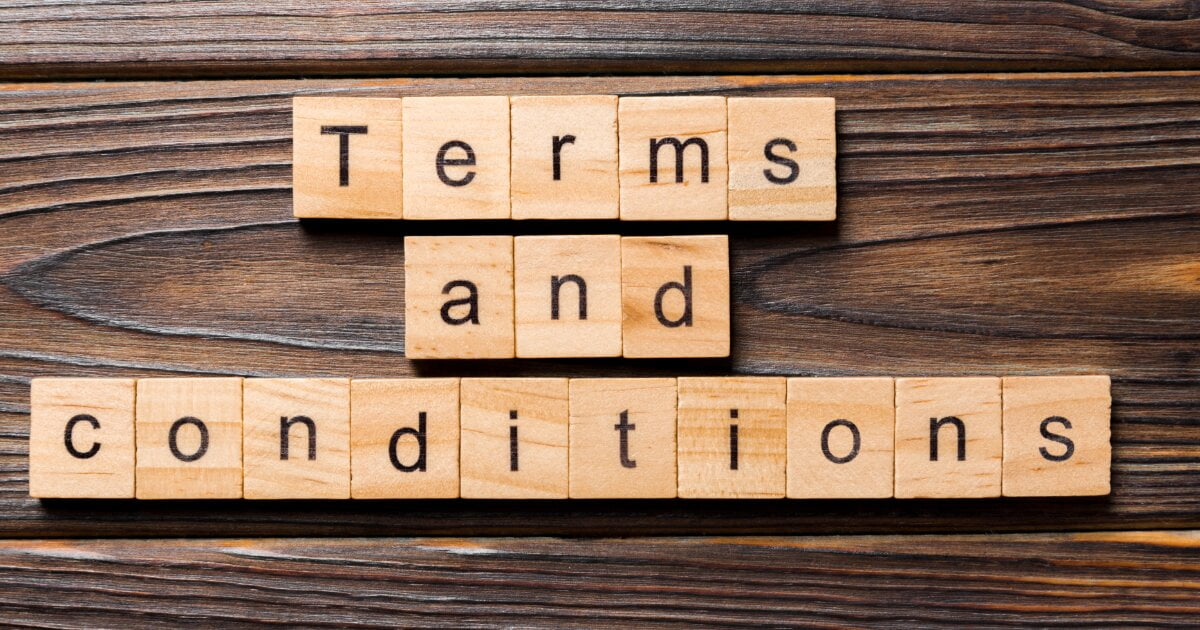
554	438
564	157
500	297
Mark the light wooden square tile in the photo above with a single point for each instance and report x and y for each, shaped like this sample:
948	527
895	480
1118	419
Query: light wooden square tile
622	438
841	435
458	297
456	157
568	296
81	443
782	155
189	438
673	158
948	437
296	438
564	157
1056	436
732	437
675	292
404	437
346	158
514	438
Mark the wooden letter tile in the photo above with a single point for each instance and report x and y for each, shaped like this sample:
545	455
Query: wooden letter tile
81	438
840	438
1056	436
781	159
622	438
404	436
296	438
456	157
948	437
732	437
568	296
189	438
514	438
672	158
458	297
675	291
564	157
346	158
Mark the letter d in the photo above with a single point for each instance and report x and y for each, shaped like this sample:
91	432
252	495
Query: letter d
686	289
419	434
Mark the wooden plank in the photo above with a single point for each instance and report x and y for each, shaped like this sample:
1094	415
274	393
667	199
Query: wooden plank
795	139
145	38
622	438
189	438
732	434
514	438
567	293
296	438
102	411
675	296
404	438
141	222
579	180
684	174
1072	467
1126	579
948	437
323	130
841	438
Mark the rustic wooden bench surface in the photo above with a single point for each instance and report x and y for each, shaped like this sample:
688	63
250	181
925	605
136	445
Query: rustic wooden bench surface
1019	193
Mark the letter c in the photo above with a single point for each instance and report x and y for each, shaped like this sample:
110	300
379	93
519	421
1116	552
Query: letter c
70	430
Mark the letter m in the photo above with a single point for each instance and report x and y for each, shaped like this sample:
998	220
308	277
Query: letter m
680	147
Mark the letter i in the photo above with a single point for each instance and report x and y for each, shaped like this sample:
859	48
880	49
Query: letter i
733	441
512	442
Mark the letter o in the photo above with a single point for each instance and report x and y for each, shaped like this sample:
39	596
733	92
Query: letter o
853	433
173	435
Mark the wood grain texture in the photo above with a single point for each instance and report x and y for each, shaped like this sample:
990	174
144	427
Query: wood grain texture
149	38
1126	579
988	224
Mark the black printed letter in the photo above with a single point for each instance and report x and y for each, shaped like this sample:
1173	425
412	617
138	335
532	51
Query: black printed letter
472	300
935	425
285	433
343	134
624	427
686	289
793	168
853	434
558	145
680	147
70	430
513	454
556	283
443	162
418	433
1054	437
733	441
174	433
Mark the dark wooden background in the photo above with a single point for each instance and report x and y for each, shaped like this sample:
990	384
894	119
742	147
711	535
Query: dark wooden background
1019	190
